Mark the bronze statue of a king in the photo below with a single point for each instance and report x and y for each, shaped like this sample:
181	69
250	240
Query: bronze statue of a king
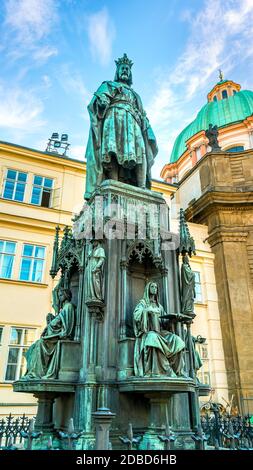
121	144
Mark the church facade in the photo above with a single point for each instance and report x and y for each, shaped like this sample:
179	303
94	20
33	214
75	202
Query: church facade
215	189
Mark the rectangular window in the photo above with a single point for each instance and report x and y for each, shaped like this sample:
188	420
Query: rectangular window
7	254
206	378
32	263
198	291
204	371
20	340
42	191
14	185
224	94
204	352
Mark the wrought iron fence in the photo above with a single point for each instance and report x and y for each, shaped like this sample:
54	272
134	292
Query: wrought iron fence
219	431
226	431
11	429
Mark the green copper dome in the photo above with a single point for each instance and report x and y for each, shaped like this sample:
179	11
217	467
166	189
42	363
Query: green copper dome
236	108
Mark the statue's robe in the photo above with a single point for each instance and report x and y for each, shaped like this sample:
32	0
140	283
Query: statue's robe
188	289
94	281
156	350
120	128
43	356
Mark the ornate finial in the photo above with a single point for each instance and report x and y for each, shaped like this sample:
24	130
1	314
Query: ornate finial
187	244
123	60
221	76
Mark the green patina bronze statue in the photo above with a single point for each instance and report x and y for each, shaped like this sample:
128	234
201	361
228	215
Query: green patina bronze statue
121	144
43	356
157	351
197	362
188	287
94	272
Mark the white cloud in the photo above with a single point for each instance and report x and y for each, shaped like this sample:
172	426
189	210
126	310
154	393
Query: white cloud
101	33
42	54
77	152
27	23
30	19
20	110
46	80
221	36
73	82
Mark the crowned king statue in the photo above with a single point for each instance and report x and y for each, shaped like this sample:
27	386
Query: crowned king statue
121	144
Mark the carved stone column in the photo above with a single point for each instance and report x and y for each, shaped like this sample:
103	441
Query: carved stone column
79	305
226	206
96	311
44	418
103	420
123	265
233	286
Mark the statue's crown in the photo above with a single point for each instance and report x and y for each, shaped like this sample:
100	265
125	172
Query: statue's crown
123	60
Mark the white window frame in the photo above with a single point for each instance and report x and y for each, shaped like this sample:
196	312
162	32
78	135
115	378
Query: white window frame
32	263
198	301
42	187
8	254
15	184
21	348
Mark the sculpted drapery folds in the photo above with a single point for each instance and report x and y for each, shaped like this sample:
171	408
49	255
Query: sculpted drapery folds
121	143
94	272
157	351
188	287
43	356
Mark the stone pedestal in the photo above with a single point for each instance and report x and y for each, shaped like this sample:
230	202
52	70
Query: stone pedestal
44	418
98	367
103	420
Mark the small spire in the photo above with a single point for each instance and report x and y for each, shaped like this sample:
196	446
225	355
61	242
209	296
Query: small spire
221	76
55	267
187	244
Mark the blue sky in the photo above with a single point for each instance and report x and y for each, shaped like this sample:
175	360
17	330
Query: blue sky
55	53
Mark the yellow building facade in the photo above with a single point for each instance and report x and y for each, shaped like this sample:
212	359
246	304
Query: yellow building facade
39	191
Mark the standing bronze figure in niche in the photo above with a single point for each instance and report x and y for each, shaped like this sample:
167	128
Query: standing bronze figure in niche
94	271
188	287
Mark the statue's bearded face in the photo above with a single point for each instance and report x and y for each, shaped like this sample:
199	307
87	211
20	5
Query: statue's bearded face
124	72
